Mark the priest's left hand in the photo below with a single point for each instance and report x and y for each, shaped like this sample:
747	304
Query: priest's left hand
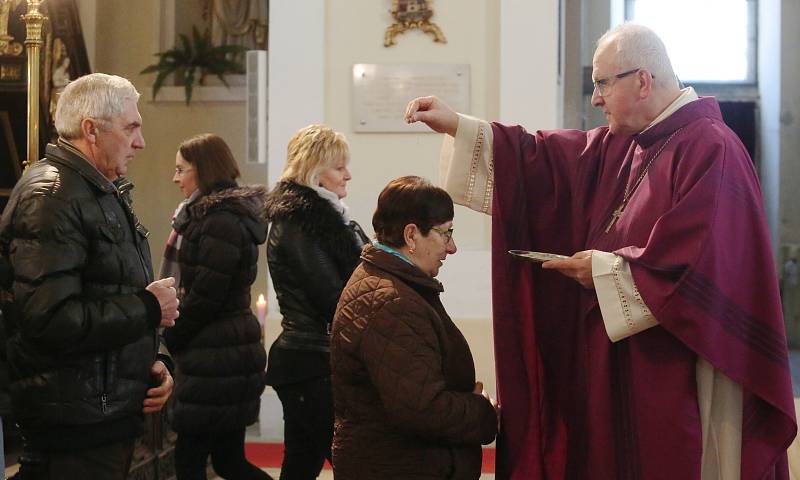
158	396
578	267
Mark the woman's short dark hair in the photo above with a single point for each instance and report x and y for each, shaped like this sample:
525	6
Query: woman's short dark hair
211	159
407	200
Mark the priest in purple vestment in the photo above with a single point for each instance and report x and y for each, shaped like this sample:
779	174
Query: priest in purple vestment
657	351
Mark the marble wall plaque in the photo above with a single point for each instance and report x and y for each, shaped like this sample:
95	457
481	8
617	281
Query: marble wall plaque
382	91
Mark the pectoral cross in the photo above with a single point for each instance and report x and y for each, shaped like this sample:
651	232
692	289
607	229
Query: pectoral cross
629	192
614	216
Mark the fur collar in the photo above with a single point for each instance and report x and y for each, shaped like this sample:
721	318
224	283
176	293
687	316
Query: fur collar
246	200
314	215
294	202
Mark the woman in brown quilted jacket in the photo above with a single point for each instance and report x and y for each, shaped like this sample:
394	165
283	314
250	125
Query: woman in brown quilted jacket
405	397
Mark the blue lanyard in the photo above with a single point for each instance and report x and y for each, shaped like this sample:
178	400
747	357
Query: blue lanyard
391	250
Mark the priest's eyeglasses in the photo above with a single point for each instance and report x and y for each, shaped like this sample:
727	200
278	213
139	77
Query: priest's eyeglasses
447	235
603	87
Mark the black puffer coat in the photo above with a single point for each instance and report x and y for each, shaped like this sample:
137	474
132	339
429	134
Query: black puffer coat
82	328
5	398
216	340
311	254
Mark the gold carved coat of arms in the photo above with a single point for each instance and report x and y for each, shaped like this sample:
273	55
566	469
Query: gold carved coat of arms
409	14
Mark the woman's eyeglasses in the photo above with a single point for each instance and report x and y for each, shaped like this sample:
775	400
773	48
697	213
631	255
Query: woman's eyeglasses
447	235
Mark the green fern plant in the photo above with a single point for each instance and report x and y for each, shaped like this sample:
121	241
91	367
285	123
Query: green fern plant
192	60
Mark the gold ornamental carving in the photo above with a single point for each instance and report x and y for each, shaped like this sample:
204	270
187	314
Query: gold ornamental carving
411	14
10	72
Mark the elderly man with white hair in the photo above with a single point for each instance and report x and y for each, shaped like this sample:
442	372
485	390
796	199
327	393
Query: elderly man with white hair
82	309
657	350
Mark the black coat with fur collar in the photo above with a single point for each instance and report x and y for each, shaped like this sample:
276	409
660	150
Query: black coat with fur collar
216	341
311	254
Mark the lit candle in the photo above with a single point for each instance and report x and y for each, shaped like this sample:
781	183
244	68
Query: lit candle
261	309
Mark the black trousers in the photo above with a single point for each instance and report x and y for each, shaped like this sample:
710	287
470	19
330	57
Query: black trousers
307	427
109	462
227	456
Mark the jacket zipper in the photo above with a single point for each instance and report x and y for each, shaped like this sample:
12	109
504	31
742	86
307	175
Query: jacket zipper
128	211
132	221
104	386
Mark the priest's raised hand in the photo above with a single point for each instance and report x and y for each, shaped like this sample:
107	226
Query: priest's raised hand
434	113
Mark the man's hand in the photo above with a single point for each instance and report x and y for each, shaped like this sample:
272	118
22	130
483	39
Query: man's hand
579	268
158	396
434	113
479	390
165	293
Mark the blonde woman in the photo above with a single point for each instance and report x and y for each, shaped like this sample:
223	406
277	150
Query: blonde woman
312	249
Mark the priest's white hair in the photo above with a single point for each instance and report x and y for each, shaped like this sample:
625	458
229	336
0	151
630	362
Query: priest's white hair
637	46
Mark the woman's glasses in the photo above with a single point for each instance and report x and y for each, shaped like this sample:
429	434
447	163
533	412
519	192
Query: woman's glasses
447	235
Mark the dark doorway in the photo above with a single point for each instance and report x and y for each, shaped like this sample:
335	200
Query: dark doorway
741	118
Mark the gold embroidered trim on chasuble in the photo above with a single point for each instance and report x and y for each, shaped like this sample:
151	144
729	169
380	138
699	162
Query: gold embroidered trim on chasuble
473	166
623	301
477	154
487	195
646	314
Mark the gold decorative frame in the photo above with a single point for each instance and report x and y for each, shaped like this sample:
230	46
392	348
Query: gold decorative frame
410	14
8	47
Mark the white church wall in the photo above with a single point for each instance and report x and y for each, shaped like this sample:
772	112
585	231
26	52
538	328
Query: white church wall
530	92
297	74
789	117
769	78
355	35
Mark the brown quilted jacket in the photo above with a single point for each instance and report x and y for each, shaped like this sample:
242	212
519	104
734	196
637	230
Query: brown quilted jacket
403	377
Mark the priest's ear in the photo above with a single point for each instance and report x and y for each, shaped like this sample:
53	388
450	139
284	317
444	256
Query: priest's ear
646	80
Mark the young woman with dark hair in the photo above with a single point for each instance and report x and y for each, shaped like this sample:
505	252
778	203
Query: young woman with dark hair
216	343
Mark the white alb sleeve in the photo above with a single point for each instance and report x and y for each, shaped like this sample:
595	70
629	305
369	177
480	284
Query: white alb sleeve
466	165
623	309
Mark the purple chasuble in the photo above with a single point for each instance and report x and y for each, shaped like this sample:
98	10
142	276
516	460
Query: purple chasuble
576	405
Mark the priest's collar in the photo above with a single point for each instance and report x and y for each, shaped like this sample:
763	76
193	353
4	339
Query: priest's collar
703	107
687	95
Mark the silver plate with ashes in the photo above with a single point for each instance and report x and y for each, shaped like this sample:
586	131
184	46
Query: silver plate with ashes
537	256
